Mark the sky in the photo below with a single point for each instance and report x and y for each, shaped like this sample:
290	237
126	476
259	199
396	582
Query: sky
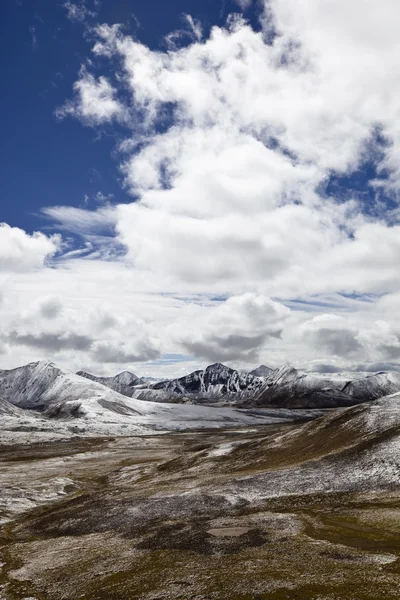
188	182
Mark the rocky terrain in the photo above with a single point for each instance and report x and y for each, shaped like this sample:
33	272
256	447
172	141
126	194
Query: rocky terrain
281	511
215	381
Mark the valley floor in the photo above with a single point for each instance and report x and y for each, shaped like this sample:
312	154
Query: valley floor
198	515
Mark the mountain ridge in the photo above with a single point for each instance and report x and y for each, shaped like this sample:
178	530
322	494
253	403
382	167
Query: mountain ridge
123	382
56	400
284	387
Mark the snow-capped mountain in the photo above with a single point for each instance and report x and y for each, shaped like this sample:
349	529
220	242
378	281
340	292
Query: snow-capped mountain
63	399
215	381
373	386
287	387
44	387
124	382
261	371
283	387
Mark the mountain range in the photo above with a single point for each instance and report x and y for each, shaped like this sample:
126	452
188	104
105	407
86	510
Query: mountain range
124	383
285	387
41	397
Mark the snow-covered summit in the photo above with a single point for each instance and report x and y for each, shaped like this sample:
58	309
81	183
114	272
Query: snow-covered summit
215	381
373	386
27	386
261	371
284	387
124	382
288	387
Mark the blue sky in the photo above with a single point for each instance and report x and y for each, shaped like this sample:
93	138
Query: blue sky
190	182
45	161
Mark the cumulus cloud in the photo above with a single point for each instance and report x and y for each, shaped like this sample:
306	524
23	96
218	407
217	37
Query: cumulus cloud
235	177
50	307
383	338
231	142
93	330
122	353
51	342
234	330
337	342
94	103
20	251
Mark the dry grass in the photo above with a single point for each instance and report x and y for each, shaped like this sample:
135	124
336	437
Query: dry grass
137	524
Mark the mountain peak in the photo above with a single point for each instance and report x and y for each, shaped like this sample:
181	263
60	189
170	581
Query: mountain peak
122	383
126	377
261	371
41	364
125	374
216	367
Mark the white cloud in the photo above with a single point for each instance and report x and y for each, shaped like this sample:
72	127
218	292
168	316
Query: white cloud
94	101
229	193
142	350
78	12
96	317
79	220
234	330
195	26
20	251
50	307
192	32
332	335
244	4
229	143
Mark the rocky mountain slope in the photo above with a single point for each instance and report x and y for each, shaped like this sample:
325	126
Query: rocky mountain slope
8	409
124	382
215	381
287	387
261	371
373	386
284	387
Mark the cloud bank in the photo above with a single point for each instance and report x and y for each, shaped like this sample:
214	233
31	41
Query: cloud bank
233	245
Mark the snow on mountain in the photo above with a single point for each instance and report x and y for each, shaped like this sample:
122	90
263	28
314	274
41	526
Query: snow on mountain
8	409
124	382
287	387
215	381
261	371
71	403
373	386
151	379
284	387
